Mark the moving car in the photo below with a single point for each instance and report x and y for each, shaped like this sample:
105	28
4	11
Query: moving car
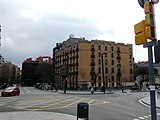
10	91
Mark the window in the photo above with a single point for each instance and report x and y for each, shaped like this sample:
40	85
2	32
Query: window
92	69
99	47
112	78
99	61
106	70
105	48
130	71
106	55
92	60
99	54
112	48
99	70
112	70
105	62
92	53
130	56
112	62
112	55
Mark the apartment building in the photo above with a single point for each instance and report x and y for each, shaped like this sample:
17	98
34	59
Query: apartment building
36	71
79	61
10	73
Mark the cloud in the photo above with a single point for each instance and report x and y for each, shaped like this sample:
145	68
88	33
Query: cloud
26	36
31	28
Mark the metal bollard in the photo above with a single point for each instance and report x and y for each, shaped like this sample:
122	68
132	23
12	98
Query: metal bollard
83	110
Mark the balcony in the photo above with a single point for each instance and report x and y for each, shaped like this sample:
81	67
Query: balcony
118	51
92	49
92	64
92	73
92	56
118	58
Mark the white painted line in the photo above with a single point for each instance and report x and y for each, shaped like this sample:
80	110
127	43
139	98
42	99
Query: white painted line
146	116
27	90
141	118
140	101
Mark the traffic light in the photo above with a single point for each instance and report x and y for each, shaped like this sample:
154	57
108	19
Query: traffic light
149	21
139	30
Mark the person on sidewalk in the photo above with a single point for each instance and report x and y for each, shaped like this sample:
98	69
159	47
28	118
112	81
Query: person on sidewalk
92	89
122	89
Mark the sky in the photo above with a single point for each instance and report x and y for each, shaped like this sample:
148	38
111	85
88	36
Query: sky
31	28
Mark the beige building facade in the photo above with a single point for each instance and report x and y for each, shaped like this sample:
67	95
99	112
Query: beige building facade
80	62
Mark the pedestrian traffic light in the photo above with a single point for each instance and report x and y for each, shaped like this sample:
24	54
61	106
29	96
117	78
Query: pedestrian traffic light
149	21
139	30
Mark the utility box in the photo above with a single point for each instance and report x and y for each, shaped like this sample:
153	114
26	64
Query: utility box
83	110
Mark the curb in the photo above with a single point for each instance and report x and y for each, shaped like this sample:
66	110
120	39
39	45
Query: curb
147	102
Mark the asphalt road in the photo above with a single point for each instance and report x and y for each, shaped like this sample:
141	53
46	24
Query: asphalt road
117	106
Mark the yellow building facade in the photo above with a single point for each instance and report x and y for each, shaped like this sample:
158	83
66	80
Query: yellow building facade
84	63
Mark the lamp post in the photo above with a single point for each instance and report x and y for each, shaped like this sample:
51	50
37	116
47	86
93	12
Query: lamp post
103	72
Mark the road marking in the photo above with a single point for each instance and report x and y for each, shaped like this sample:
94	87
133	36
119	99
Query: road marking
28	90
59	102
140	101
91	101
146	116
74	102
41	103
39	100
31	106
141	118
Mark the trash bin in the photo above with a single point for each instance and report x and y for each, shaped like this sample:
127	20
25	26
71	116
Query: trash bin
82	110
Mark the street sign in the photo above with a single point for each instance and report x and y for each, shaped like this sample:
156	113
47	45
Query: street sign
141	2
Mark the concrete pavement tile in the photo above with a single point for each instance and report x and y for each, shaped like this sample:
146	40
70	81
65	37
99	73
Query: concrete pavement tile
35	115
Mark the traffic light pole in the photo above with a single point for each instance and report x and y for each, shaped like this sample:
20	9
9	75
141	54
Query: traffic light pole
151	78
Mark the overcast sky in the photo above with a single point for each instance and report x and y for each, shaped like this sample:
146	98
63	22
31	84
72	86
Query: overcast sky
31	28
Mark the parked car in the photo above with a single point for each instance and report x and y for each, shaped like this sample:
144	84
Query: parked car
10	91
134	88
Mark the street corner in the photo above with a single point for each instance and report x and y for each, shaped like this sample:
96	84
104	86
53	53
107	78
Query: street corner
145	101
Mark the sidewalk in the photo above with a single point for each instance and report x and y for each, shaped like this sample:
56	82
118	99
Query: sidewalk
35	115
146	100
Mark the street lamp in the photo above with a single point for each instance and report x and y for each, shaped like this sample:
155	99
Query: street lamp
103	72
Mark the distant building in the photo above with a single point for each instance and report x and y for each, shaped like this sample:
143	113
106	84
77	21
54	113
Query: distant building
10	73
80	62
1	62
34	71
